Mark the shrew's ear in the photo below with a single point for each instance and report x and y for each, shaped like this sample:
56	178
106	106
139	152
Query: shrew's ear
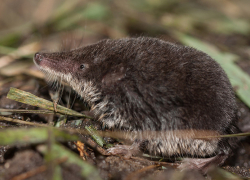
113	76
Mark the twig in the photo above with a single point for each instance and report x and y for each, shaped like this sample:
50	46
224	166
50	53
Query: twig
22	122
37	170
120	135
135	174
95	146
81	131
168	164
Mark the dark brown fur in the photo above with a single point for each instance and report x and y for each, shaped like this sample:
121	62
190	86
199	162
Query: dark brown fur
146	84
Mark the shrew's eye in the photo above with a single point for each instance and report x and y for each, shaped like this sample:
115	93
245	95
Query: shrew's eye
82	66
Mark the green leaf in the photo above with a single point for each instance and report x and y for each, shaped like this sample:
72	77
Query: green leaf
58	151
98	139
96	11
239	79
32	135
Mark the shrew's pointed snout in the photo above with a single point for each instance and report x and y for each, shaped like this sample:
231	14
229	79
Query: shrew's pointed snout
38	57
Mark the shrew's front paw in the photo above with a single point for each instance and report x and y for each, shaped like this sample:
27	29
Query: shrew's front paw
123	150
126	151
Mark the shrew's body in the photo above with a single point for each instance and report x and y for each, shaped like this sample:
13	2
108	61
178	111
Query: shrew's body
149	85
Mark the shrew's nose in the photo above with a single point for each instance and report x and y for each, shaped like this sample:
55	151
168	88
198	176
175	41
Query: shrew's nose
38	57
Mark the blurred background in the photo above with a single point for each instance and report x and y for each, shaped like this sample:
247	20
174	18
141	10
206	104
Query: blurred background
55	24
220	28
225	23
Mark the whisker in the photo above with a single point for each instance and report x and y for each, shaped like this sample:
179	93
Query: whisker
73	101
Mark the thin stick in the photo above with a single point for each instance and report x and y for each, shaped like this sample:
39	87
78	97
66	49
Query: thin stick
37	170
138	172
95	146
22	122
119	135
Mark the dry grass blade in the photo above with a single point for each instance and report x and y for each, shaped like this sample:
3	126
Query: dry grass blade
22	51
28	98
11	111
16	68
35	73
5	81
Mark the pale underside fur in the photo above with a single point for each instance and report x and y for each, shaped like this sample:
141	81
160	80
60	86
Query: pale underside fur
165	143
